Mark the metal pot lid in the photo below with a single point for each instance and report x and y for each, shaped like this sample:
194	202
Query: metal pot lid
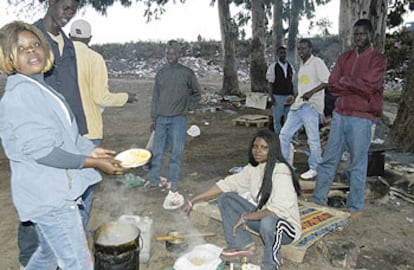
116	234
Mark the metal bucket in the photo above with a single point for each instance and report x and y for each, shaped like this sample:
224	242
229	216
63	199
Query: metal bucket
376	162
117	246
177	245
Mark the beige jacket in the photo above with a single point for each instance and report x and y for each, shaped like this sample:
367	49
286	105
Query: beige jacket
93	85
283	200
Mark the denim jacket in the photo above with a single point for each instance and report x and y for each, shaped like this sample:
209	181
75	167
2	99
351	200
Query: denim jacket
32	123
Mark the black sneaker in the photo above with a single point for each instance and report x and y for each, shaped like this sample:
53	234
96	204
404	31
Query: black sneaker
149	186
169	187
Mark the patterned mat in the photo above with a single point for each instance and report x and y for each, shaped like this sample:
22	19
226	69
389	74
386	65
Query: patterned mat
220	267
316	222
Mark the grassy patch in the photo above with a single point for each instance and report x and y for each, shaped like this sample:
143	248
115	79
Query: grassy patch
392	96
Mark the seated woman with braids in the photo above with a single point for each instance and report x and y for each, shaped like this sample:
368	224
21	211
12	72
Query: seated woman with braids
272	210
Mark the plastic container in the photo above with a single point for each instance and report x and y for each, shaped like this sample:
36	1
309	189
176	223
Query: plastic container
145	226
244	263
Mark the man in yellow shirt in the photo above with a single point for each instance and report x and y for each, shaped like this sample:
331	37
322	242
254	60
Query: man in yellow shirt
93	81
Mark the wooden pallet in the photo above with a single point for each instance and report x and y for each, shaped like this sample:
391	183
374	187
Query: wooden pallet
251	119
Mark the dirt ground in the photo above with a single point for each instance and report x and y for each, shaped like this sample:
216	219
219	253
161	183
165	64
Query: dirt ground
384	233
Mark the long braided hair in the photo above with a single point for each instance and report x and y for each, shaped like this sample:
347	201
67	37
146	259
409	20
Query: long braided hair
274	156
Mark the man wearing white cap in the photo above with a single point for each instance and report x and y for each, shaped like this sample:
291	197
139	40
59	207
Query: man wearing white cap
93	85
93	81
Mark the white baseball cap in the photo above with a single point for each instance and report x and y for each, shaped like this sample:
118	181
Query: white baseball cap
80	29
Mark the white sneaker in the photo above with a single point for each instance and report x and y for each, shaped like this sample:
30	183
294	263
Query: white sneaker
308	175
22	267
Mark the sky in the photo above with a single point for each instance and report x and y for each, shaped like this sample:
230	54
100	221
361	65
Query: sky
180	21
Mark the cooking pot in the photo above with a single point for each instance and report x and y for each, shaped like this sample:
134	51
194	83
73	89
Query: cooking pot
117	246
177	244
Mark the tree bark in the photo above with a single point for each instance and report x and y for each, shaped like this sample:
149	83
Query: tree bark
257	61
295	9
352	10
378	16
278	32
403	127
228	38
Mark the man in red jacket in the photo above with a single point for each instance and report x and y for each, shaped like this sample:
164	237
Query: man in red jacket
357	82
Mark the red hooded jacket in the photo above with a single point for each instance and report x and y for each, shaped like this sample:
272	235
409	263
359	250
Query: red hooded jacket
357	81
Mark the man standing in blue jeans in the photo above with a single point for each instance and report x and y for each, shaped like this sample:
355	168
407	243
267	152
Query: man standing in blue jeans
280	77
309	104
176	91
357	82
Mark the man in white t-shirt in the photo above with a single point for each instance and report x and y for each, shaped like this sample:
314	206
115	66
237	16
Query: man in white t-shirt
309	104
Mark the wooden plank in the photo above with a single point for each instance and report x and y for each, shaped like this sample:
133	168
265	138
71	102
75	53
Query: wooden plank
251	120
254	117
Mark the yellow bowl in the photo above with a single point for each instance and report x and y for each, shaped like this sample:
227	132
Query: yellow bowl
134	157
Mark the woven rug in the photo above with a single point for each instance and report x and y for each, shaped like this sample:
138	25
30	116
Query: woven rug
220	267
316	222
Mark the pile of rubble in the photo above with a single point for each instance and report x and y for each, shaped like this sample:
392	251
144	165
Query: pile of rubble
203	68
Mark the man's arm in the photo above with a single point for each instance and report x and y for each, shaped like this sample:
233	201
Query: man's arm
270	73
195	92
99	84
270	97
315	90
369	82
336	88
155	97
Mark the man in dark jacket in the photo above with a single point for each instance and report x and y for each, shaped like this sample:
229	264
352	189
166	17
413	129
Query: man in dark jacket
63	76
176	92
280	77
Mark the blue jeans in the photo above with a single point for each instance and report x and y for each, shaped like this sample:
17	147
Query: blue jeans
87	197
27	241
232	206
27	237
279	110
169	132
62	241
86	207
308	117
354	133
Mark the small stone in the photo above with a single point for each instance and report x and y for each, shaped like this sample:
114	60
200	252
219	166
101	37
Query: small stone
340	252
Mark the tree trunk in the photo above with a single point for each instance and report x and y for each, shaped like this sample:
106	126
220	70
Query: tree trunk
295	9
278	32
257	61
378	16
228	38
403	127
352	10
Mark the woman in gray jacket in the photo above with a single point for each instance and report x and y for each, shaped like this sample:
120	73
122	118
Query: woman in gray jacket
51	164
